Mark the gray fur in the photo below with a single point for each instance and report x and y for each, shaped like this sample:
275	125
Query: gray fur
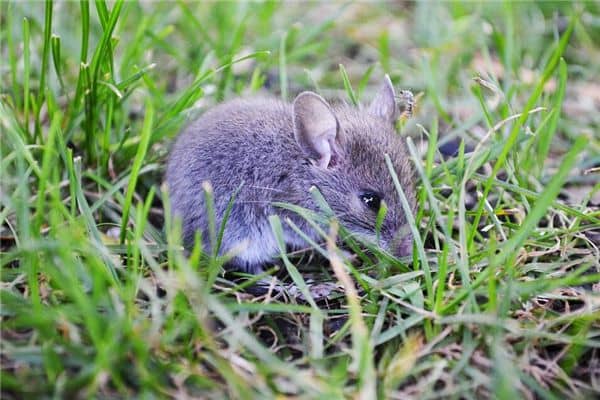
253	141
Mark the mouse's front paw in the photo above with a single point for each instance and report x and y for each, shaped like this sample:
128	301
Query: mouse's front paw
318	291
321	291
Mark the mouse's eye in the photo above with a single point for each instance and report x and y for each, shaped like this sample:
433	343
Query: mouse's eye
371	200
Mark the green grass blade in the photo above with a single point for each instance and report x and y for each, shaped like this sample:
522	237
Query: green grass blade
348	85
26	75
283	79
291	268
45	57
414	230
137	165
546	136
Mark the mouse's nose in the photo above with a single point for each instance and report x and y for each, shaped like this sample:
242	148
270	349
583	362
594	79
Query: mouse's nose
402	246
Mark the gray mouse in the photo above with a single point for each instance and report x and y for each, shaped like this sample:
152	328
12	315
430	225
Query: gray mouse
273	151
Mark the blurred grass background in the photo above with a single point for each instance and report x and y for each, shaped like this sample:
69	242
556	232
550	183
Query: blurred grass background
501	301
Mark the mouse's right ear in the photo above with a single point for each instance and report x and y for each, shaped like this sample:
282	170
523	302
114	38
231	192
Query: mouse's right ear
384	104
315	128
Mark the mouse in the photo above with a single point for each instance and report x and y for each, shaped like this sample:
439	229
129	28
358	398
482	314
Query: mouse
265	151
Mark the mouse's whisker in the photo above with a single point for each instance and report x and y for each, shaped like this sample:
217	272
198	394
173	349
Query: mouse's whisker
253	202
266	188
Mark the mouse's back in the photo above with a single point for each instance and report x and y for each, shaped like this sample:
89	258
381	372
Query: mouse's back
245	146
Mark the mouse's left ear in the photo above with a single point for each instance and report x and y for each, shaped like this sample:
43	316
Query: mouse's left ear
384	104
315	128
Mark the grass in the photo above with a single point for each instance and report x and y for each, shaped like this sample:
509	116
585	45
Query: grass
501	299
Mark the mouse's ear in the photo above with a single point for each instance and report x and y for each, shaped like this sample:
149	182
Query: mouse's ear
384	104
315	128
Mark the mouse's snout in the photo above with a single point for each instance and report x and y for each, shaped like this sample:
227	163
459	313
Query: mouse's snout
402	245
